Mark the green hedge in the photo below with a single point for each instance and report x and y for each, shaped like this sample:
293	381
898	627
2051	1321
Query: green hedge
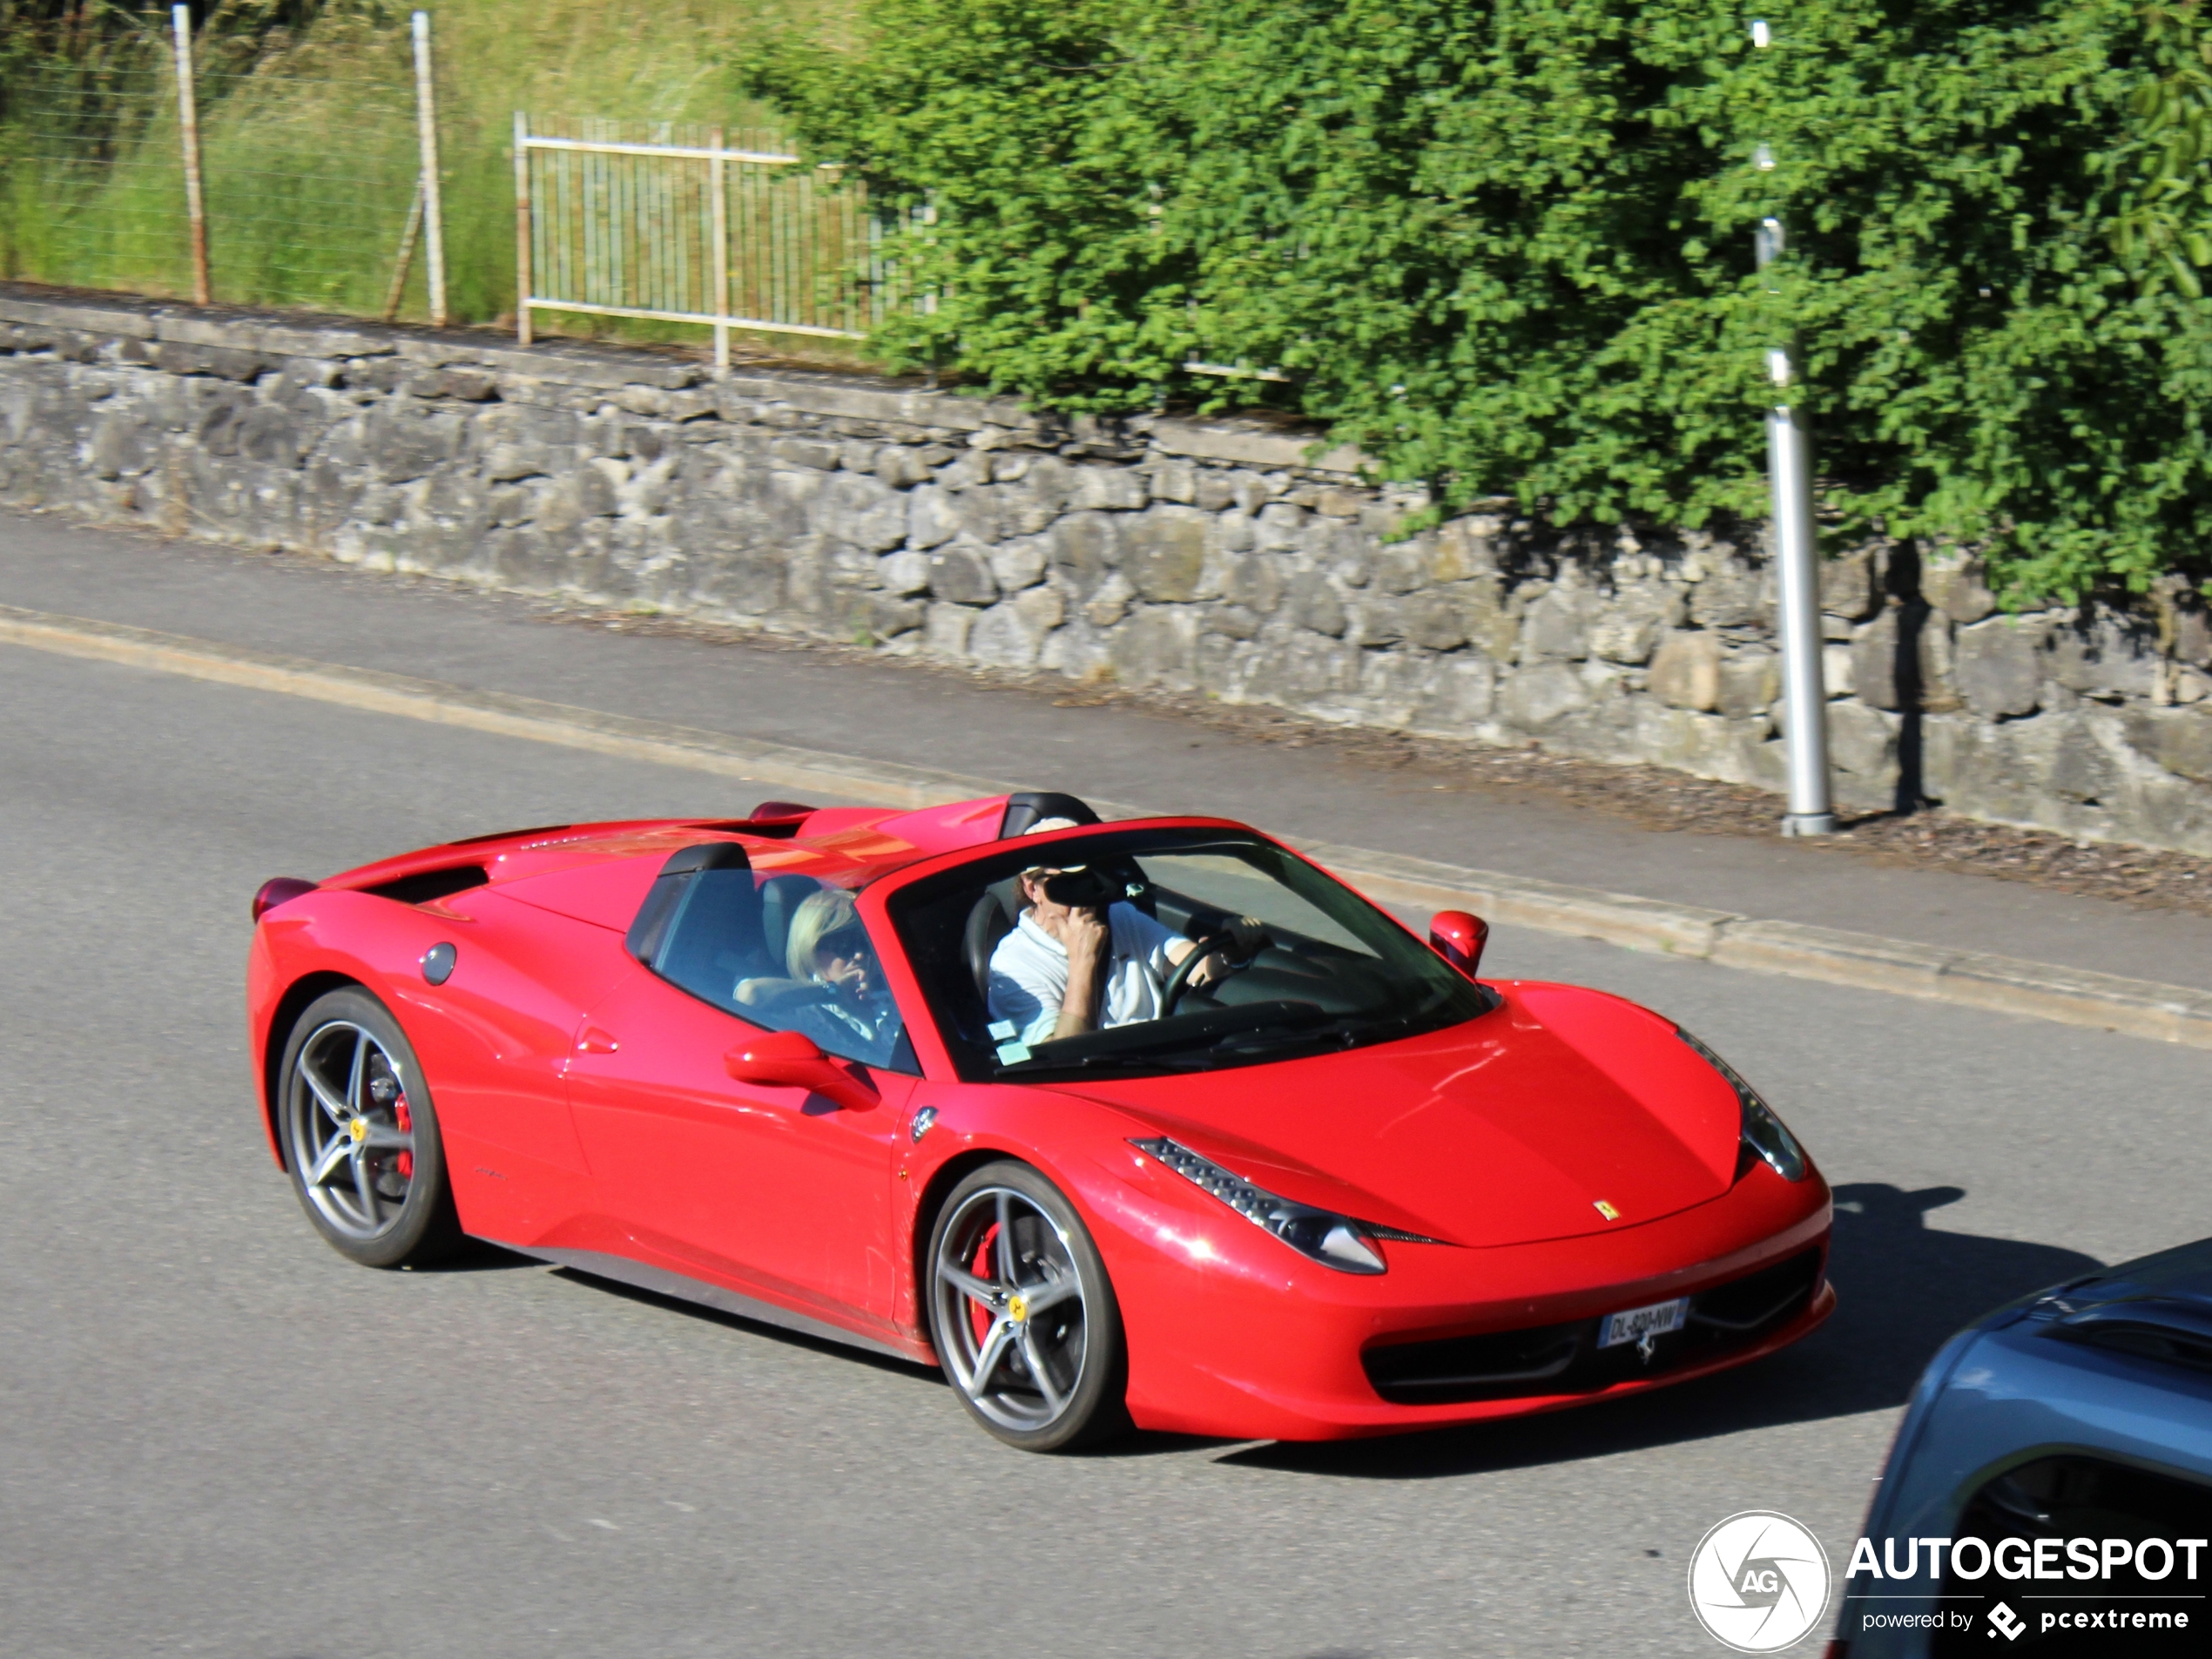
1506	247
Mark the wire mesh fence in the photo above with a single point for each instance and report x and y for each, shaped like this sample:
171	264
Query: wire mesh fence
89	171
312	188
308	196
307	179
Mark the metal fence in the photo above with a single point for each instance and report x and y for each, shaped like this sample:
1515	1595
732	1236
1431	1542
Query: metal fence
202	165
682	225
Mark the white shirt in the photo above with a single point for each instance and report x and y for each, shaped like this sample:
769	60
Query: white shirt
1029	974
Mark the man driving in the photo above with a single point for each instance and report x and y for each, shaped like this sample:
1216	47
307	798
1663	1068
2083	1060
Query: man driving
1076	962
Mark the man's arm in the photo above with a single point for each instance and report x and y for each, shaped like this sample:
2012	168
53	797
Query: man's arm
1246	935
1088	941
1042	1005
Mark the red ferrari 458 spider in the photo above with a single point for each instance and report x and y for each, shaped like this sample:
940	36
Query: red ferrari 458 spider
1150	1123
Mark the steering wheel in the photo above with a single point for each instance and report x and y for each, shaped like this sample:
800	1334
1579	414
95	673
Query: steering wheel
1179	981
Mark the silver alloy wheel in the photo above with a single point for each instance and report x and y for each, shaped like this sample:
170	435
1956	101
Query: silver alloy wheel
1010	1309
351	1133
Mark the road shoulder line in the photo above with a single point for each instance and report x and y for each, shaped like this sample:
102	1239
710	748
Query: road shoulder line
885	782
1799	950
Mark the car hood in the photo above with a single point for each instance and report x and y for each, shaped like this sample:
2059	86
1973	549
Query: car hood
2181	1274
2156	1306
1526	1123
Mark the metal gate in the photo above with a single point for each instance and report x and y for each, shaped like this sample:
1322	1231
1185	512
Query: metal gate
677	224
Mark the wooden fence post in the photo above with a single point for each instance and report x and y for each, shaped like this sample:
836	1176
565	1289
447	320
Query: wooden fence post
522	227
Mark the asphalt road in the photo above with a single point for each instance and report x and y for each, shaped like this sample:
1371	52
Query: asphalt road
1058	736
218	1437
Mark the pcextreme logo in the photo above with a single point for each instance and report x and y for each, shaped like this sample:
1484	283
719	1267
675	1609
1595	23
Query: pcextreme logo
1758	1581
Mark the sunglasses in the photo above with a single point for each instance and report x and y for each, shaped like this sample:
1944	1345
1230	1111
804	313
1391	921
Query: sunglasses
1079	887
844	944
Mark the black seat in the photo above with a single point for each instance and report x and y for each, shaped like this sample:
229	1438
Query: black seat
990	919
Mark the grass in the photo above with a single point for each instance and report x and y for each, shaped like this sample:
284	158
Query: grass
308	147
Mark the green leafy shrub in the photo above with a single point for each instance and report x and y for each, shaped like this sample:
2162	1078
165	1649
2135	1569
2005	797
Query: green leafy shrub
1506	247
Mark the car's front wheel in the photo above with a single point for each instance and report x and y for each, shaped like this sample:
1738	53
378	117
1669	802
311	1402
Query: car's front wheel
361	1137
1023	1314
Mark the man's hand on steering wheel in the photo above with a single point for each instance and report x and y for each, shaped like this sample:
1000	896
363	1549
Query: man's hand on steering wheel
1247	936
1211	960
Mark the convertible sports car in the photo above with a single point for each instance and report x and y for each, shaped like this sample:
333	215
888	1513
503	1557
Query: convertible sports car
1298	1175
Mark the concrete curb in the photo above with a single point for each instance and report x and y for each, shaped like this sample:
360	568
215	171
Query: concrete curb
2004	984
2035	990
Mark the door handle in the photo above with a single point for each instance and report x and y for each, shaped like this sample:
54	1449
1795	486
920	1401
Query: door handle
594	1040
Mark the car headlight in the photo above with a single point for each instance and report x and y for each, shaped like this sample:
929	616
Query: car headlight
1333	1240
1764	1135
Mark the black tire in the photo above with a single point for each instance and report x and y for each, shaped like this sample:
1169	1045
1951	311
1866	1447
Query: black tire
371	1129
1076	1336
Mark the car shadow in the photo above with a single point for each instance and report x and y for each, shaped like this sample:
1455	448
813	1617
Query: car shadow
475	1256
1138	1444
911	1369
1902	1288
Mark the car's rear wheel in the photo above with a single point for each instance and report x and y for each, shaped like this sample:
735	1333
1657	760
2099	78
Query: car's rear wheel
361	1135
1023	1314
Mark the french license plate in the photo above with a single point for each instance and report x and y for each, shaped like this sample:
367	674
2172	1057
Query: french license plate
1636	1324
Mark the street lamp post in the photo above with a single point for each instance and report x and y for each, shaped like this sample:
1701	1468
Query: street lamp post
1796	548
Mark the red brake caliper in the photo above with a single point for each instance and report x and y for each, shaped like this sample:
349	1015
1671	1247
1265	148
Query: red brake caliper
979	1317
407	1127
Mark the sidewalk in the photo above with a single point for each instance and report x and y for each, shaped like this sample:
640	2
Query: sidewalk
942	719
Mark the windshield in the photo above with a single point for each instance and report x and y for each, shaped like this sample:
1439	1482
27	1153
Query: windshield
1139	952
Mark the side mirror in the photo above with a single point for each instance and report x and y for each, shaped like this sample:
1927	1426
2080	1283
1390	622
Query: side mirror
1458	939
790	1060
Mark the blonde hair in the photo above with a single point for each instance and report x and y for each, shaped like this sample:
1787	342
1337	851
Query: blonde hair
819	914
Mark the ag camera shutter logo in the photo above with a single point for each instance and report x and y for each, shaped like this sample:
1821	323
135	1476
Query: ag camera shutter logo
1758	1581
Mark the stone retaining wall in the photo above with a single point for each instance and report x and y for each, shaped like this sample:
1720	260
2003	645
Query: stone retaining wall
1220	556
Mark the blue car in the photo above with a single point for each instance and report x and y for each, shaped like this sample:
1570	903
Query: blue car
2050	1491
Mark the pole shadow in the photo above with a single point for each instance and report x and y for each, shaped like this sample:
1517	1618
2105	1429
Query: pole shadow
1902	1289
1904	577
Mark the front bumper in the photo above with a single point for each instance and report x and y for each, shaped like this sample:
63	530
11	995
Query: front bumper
1257	1344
